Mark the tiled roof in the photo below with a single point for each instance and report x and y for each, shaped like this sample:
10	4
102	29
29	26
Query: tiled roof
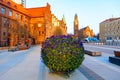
36	12
14	6
32	12
110	19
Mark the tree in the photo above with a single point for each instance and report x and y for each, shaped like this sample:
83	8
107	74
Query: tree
58	31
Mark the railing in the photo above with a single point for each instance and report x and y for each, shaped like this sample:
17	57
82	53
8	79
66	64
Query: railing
107	43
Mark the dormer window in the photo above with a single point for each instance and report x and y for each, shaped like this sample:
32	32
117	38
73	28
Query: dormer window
9	3
15	6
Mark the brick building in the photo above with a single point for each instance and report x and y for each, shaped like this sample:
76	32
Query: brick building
19	24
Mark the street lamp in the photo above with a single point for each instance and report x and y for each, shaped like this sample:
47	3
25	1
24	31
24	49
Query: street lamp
39	25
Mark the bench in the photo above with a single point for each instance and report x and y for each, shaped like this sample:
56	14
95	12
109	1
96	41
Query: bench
114	60
93	53
12	49
22	47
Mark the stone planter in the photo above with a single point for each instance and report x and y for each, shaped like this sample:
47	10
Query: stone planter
22	47
62	54
117	53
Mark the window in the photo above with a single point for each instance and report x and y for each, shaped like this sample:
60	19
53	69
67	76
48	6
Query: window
109	38
5	21
114	32
16	16
21	17
4	33
39	33
10	13
3	10
42	32
26	19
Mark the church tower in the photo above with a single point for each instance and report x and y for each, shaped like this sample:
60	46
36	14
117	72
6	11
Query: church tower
76	25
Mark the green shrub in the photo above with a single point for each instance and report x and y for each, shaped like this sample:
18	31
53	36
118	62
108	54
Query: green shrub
62	53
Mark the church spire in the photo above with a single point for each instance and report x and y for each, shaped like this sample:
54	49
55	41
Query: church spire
63	18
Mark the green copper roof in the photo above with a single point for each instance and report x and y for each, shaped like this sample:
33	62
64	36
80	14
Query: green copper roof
63	18
76	17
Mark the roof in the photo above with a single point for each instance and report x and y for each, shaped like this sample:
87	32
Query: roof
32	12
36	12
110	19
85	28
12	5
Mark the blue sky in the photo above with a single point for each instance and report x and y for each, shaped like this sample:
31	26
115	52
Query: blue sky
90	12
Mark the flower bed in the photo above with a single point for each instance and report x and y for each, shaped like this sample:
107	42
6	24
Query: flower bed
62	53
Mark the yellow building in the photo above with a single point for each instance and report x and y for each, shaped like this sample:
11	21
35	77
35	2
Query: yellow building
110	31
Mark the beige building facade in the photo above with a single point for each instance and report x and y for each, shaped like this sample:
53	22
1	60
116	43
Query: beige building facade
110	31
